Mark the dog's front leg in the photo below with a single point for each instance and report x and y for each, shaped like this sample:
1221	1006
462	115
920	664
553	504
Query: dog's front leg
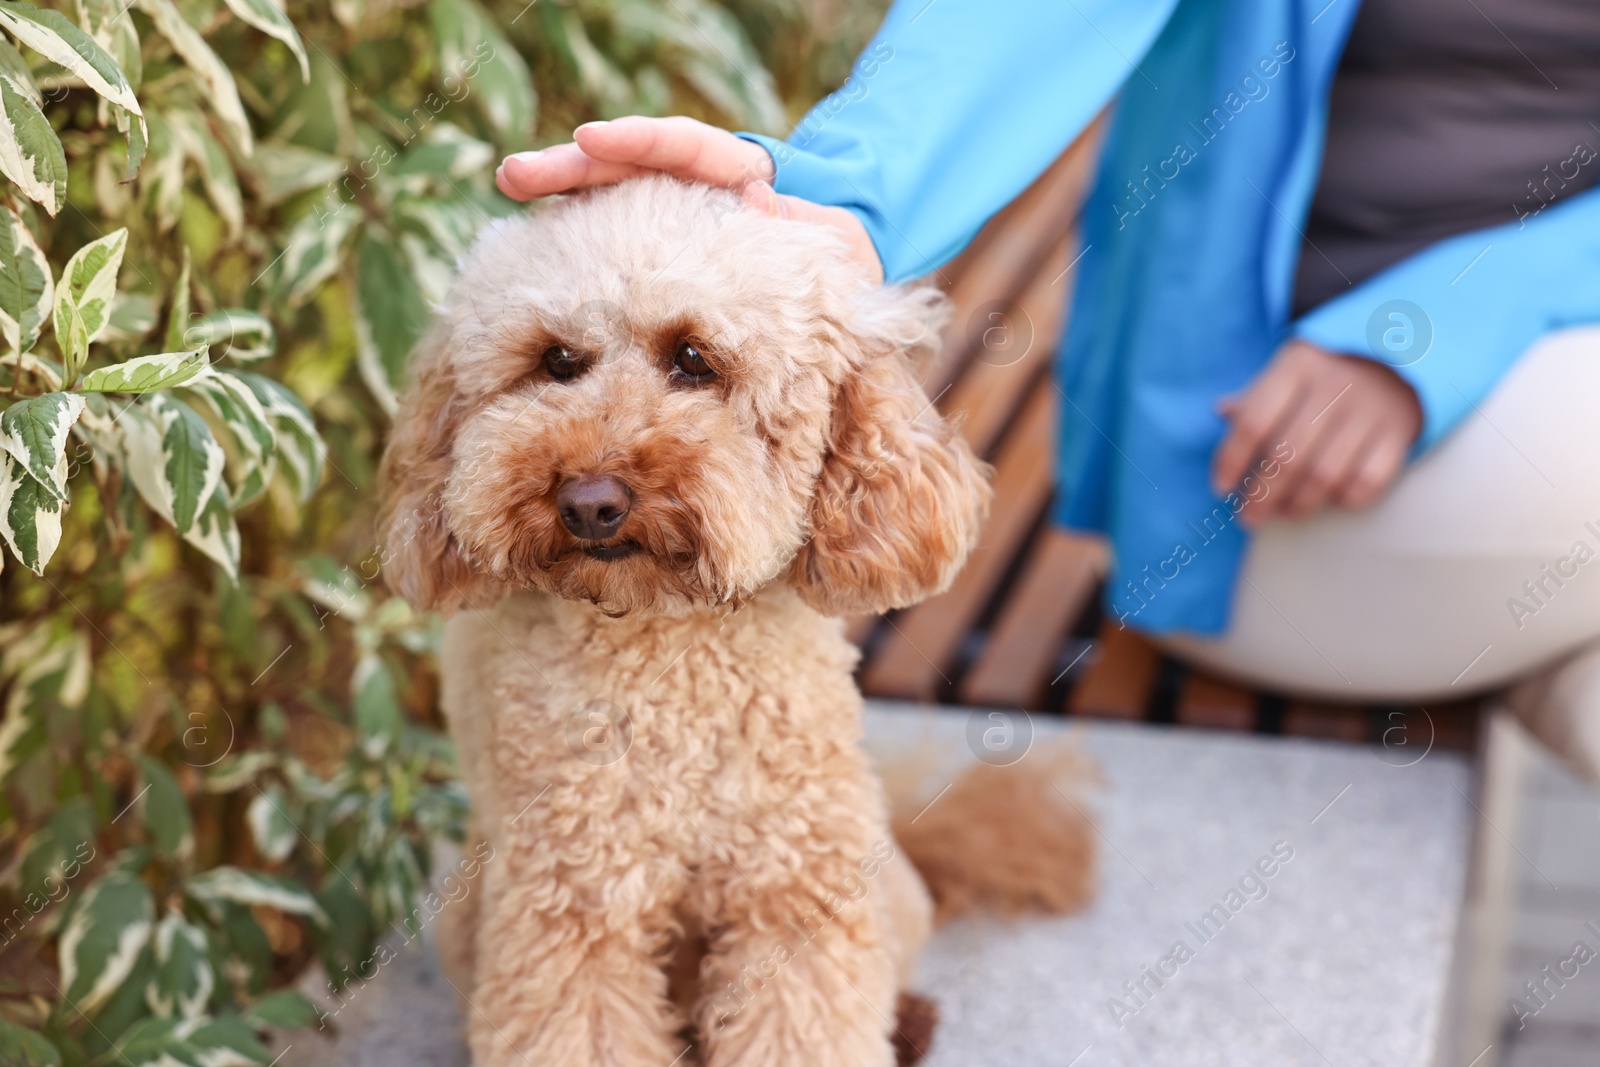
563	983
802	975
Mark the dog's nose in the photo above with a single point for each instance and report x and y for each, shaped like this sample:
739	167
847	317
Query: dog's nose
593	506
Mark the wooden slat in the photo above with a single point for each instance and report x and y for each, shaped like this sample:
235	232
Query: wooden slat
1057	581
917	651
1457	724
1118	683
987	393
1345	722
1208	702
858	627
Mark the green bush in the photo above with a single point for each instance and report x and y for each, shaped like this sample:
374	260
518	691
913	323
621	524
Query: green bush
220	759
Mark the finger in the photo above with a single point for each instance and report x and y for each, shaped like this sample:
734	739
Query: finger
1332	468
1310	435
558	169
1379	469
683	147
761	197
1253	418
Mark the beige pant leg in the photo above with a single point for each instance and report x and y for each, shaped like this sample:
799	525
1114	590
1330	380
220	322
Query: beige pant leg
1480	566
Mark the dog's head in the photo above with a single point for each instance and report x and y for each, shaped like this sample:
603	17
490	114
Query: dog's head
648	396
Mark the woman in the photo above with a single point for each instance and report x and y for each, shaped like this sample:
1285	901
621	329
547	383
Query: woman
1327	376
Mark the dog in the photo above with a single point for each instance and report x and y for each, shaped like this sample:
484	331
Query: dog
655	445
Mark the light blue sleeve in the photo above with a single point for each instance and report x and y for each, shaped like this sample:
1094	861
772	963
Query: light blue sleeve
954	108
1483	296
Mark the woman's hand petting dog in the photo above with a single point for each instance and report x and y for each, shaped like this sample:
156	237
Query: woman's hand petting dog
607	152
1349	420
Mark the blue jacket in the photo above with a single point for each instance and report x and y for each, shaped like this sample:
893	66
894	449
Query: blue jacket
1190	240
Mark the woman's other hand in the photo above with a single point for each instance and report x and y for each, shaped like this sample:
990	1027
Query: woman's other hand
606	152
1349	420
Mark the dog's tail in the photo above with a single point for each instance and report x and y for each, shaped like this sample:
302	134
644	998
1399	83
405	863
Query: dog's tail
1004	840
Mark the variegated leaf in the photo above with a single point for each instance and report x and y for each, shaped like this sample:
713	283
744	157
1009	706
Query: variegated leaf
133	316
174	462
84	294
390	317
155	1042
312	252
165	808
269	18
101	942
462	33
34	433
13	65
26	288
216	533
178	313
255	888
223	1041
138	132
30	516
285	170
236	326
55	37
164	174
21	1047
30	152
300	448
447	151
145	374
220	87
248	426
270	828
216	172
184	981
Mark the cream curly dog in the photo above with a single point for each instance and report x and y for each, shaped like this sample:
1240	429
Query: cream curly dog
656	444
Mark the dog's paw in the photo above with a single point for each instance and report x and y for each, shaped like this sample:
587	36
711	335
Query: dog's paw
915	1019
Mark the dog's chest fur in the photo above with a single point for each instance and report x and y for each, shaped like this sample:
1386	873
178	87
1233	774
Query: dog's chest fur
671	732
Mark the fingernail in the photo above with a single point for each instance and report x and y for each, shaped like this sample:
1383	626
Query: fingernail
522	157
595	125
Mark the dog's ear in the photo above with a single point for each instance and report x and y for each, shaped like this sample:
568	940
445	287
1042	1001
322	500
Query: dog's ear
420	558
901	496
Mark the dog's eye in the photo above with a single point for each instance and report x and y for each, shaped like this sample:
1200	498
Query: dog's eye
691	364
562	365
